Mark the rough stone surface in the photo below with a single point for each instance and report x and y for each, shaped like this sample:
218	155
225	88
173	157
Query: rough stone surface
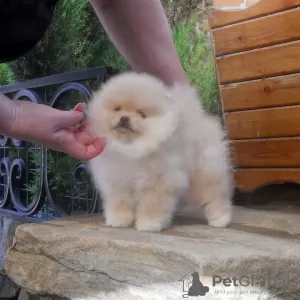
271	221
80	258
8	224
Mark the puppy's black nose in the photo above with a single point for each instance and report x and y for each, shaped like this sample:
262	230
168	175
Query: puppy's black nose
124	122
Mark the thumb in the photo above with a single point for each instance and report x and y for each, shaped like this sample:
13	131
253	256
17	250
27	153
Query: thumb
68	118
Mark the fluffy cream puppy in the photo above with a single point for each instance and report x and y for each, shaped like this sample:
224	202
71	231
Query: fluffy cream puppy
162	148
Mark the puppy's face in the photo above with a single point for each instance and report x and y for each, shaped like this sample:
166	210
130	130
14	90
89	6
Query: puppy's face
128	116
133	110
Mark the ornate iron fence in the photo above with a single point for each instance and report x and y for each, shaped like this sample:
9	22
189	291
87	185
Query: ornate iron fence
38	182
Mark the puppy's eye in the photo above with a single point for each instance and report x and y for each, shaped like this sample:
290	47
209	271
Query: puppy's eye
141	114
117	108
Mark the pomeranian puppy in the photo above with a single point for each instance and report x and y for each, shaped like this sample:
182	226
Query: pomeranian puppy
162	148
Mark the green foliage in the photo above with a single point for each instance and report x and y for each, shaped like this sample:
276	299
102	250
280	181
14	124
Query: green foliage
197	58
32	186
75	40
60	182
6	74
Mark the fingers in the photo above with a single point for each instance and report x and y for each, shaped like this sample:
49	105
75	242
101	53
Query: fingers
71	118
80	107
80	143
65	119
95	149
78	128
83	152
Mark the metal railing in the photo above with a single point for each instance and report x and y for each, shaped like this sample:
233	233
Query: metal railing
38	182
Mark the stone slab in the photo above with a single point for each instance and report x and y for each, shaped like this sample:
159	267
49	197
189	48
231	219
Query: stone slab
8	224
80	258
270	219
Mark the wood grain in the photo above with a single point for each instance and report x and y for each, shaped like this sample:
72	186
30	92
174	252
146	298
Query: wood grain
247	180
269	30
270	61
218	17
273	122
265	153
262	93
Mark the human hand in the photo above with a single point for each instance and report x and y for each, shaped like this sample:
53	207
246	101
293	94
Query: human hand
83	136
64	131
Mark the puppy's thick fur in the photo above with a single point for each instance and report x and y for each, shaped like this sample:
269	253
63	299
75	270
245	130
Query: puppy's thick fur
162	148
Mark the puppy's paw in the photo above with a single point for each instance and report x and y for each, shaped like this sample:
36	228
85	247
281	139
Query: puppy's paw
220	219
152	225
220	222
120	219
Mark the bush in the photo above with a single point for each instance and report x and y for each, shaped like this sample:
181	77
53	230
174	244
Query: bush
197	59
6	74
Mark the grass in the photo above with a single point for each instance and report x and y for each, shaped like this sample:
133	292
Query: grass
197	58
6	74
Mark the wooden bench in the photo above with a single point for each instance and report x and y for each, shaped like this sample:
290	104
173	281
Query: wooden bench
257	55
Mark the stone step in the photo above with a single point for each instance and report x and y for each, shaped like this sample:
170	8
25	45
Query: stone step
81	258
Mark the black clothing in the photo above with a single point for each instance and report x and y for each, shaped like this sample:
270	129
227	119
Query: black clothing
23	24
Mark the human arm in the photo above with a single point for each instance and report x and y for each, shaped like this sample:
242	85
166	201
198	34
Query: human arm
7	114
141	33
55	129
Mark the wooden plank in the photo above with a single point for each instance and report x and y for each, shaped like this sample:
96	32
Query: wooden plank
266	153
273	122
270	61
270	30
219	17
262	93
247	180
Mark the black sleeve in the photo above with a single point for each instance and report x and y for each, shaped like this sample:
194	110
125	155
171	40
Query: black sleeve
23	23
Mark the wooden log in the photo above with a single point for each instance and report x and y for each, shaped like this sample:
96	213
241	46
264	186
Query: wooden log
264	123
219	17
266	153
261	93
270	61
247	180
266	31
